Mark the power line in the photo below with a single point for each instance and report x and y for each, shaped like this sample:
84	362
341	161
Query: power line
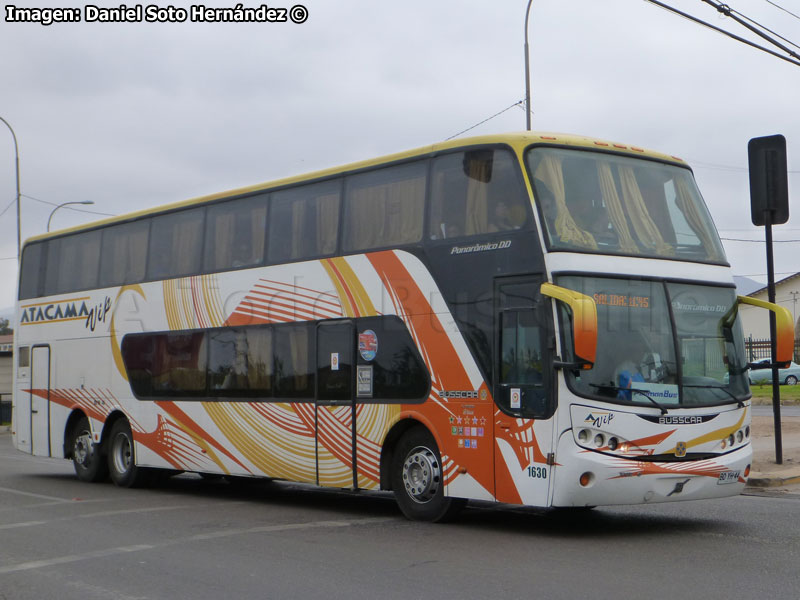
765	28
729	12
487	119
10	204
723	31
783	9
92	212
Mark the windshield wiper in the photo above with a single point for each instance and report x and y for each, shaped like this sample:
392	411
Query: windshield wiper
642	392
739	402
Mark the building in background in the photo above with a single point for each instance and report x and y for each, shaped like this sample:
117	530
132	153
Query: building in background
6	372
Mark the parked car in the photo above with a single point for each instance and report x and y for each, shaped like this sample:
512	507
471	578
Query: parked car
763	374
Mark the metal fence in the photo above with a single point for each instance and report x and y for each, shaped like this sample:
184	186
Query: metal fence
757	349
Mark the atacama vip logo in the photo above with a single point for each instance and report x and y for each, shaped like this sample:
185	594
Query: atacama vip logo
70	309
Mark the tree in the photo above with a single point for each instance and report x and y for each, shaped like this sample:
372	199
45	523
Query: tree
4	328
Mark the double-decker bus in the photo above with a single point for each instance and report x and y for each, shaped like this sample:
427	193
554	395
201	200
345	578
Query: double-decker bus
535	319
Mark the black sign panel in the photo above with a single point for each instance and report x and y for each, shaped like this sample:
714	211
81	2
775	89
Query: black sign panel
769	186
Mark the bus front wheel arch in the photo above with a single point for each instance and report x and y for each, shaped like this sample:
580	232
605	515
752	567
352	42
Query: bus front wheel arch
417	478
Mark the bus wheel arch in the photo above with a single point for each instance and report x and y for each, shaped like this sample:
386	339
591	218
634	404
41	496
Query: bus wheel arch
416	476
388	448
88	457
121	454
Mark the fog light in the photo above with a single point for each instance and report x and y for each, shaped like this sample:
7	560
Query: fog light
739	436
583	435
613	443
586	479
730	440
599	440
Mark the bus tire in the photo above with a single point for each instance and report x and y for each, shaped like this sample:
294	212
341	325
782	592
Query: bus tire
418	479
122	459
87	458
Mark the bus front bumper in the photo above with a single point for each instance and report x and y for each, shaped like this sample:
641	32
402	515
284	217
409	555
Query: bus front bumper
587	478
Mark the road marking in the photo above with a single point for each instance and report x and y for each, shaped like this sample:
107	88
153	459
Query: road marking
25	524
32	495
73	558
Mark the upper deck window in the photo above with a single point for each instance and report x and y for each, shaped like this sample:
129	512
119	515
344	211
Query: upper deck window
476	192
385	207
600	202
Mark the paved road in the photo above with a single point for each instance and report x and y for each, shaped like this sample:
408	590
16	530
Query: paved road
63	539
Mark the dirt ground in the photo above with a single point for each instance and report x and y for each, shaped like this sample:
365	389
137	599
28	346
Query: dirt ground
763	437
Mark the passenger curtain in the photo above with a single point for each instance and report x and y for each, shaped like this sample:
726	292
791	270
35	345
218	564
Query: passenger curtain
186	246
386	214
615	211
688	207
566	229
258	228
299	234
259	359
327	223
477	220
224	239
646	230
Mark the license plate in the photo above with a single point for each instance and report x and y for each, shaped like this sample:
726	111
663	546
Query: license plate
728	477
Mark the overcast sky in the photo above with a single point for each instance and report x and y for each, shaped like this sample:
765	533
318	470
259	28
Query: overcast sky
139	114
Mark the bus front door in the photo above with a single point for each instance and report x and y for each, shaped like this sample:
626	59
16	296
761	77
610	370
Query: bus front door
40	401
335	405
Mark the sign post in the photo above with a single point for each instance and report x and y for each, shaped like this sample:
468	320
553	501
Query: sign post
769	204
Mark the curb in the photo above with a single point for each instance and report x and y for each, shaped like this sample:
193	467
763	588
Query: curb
767	482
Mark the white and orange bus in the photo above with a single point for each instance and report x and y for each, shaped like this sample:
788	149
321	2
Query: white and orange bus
546	320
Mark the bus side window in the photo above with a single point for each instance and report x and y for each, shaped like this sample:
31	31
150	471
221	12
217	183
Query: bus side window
235	234
72	263
176	244
304	221
476	192
385	207
30	282
124	253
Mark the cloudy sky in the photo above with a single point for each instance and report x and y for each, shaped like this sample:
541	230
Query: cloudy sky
139	114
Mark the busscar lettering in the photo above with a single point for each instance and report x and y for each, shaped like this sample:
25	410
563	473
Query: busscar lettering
43	16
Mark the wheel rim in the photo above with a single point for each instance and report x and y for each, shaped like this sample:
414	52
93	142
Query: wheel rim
791	380
422	474
121	453
82	449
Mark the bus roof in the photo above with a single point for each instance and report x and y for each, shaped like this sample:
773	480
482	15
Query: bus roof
518	141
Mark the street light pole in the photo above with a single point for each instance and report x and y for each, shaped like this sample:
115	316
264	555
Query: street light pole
65	204
527	71
16	156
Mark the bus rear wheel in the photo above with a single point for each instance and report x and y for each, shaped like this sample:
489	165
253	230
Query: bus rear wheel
122	459
86	456
418	479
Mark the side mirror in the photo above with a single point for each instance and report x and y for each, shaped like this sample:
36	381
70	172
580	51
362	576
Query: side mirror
784	328
584	321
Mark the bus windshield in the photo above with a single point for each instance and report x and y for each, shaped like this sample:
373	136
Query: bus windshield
664	344
611	204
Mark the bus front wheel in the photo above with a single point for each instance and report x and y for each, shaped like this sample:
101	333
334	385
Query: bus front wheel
418	479
86	456
122	459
